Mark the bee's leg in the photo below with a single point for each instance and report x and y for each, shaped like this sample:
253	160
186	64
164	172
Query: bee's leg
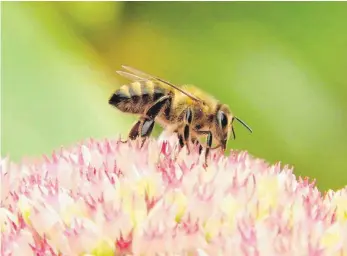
188	118
197	143
146	130
183	142
209	143
183	132
148	119
180	140
134	132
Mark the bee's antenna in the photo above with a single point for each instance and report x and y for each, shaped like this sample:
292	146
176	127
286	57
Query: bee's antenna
243	123
233	131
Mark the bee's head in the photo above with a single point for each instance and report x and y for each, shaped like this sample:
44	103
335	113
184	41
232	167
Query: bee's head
224	121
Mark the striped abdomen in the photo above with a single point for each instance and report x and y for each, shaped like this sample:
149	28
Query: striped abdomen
136	97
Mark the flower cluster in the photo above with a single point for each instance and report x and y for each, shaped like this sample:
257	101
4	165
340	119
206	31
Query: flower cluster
111	198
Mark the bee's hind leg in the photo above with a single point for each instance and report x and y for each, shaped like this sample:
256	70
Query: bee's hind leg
146	127
146	130
134	132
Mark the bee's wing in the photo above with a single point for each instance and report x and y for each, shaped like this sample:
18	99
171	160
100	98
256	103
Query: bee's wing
130	76
140	75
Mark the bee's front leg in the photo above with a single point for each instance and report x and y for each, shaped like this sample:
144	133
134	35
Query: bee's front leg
197	143
209	143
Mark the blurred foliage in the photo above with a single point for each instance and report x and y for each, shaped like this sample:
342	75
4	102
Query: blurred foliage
281	66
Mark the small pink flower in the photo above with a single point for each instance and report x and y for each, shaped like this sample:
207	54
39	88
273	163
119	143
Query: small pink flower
111	198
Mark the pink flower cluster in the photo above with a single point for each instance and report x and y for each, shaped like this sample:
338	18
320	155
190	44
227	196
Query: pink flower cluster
112	198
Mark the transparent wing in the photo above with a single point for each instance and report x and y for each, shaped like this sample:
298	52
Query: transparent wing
138	75
130	76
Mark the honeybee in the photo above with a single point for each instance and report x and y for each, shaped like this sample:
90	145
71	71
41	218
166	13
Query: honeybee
185	110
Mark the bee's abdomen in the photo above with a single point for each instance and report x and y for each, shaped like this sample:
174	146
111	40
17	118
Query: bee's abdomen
136	97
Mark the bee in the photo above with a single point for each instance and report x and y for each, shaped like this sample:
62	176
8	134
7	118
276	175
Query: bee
184	110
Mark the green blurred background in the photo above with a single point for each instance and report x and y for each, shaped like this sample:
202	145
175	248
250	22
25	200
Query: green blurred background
282	67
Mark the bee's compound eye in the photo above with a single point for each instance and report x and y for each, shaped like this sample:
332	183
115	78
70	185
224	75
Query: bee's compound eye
222	119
